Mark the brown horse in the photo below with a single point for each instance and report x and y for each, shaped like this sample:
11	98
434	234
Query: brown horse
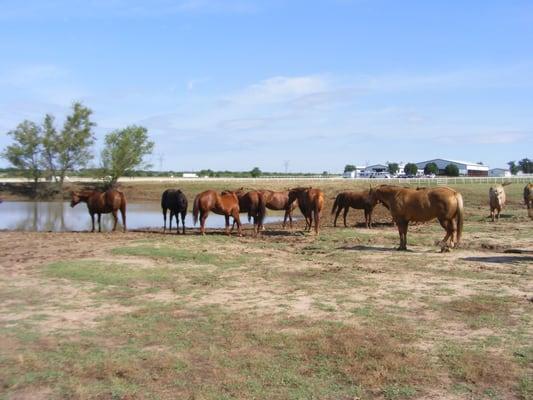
226	203
279	201
253	203
407	205
311	202
528	199
357	200
102	203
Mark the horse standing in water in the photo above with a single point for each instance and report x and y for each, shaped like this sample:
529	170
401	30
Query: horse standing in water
226	203
253	203
100	203
175	201
406	205
357	200
278	201
311	202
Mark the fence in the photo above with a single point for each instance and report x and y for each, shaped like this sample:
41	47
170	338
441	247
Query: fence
525	178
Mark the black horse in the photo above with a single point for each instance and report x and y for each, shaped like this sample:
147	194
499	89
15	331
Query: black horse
175	201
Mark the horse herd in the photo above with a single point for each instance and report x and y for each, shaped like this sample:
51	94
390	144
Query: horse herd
405	205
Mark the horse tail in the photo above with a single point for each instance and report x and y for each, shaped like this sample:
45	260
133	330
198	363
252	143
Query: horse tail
459	216
196	209
335	205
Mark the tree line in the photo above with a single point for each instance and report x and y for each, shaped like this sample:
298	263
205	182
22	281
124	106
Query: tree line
47	151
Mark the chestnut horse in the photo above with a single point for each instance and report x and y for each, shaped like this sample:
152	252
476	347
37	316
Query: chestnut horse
279	201
311	202
528	199
406	204
357	200
102	203
253	203
226	203
175	201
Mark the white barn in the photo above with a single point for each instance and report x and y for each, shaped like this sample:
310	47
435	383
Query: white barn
499	172
354	174
465	168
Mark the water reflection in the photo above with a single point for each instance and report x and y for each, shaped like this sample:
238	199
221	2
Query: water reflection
59	217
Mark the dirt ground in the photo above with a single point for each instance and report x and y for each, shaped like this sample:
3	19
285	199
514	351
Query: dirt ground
288	315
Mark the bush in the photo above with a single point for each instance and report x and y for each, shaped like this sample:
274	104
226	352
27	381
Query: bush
431	168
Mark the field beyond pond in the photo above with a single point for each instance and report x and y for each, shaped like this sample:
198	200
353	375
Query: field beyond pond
146	315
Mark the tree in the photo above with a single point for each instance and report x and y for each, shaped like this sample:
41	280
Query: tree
451	170
125	150
349	168
25	153
68	149
393	168
410	169
431	168
256	172
513	168
526	166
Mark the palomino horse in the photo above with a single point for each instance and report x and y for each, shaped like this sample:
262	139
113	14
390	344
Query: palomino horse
279	201
226	203
407	205
528	199
175	201
102	203
497	200
253	203
357	200
310	202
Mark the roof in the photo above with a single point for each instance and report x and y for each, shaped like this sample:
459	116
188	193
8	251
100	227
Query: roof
467	163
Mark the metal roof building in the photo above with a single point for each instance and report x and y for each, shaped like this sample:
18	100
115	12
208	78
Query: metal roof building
466	168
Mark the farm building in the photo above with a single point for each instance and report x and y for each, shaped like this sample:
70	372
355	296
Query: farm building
465	168
372	169
499	172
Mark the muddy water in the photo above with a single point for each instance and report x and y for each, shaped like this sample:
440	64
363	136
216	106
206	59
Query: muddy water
60	217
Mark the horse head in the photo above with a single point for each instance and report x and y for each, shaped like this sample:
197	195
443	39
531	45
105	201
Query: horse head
75	198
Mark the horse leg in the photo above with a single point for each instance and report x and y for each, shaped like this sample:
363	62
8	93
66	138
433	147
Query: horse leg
368	218
170	220
227	224
92	219
123	214
203	217
164	220
449	233
183	215
115	217
402	230
99	222
336	216
346	209
177	223
237	218
317	222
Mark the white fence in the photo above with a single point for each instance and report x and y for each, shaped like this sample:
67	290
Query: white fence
525	178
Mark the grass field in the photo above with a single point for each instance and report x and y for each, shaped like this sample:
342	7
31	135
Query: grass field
287	316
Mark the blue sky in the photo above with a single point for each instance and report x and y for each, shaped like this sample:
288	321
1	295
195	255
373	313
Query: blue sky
236	84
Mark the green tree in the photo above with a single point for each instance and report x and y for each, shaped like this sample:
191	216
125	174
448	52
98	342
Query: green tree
526	166
451	170
25	152
410	169
124	151
70	148
431	168
513	168
349	168
393	168
256	172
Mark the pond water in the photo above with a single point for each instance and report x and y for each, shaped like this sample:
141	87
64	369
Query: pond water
60	217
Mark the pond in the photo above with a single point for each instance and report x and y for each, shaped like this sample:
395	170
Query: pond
55	216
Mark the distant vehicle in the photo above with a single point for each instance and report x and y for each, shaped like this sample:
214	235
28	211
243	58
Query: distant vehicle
431	176
381	175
